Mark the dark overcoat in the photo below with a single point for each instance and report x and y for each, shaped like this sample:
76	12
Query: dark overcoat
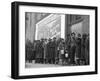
39	50
83	49
87	51
29	52
51	47
78	47
45	49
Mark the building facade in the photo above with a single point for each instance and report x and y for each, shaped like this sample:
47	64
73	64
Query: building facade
46	25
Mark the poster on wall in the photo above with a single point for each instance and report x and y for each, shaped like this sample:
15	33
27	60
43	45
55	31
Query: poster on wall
51	40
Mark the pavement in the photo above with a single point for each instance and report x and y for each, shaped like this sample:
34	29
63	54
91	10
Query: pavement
36	65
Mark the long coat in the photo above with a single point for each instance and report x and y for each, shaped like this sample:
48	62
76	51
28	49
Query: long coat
73	50
87	51
83	53
39	50
78	47
29	51
54	47
68	46
33	51
51	50
57	49
45	49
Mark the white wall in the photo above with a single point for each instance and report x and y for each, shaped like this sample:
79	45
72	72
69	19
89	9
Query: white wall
5	41
81	27
77	28
30	27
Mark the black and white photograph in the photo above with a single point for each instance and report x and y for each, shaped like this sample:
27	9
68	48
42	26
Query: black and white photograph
49	42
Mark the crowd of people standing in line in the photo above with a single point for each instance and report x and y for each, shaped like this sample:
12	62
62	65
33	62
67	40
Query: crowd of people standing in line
74	50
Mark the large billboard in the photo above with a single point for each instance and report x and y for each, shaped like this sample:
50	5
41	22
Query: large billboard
49	27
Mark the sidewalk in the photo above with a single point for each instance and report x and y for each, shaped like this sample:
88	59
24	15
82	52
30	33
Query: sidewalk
33	65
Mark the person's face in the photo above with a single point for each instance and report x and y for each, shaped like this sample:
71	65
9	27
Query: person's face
49	40
62	40
79	36
73	35
69	37
54	39
88	36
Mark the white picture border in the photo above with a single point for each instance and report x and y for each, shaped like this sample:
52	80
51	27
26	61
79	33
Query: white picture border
63	69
